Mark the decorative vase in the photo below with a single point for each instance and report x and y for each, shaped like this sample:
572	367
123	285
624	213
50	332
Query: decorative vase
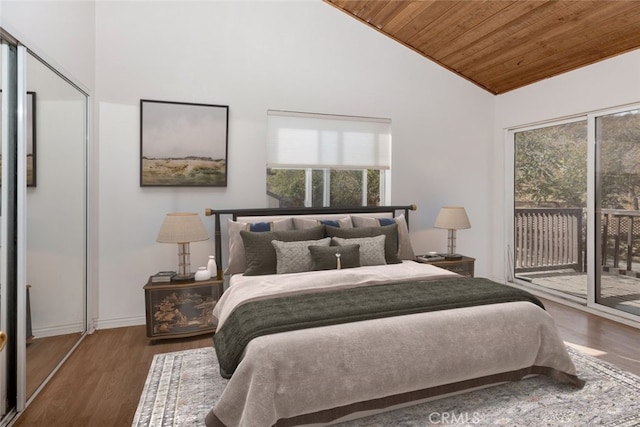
212	267
202	274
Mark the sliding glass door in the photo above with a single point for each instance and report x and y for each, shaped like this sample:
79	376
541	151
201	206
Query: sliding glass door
550	201
617	280
576	209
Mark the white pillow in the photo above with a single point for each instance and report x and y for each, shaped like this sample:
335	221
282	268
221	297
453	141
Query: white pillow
371	248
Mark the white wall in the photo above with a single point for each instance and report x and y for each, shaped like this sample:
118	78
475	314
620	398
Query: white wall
611	83
62	32
255	56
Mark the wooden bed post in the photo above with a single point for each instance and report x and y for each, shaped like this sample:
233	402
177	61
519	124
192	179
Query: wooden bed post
217	240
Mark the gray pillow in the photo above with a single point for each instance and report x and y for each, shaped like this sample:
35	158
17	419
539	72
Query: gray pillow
324	257
371	248
294	257
237	262
405	249
259	252
389	231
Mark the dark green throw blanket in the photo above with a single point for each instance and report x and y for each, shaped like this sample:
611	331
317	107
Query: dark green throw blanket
310	310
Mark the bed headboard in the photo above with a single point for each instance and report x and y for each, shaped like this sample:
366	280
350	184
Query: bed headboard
270	212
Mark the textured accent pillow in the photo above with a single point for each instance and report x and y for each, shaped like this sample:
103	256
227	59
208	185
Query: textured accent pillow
302	223
237	261
371	248
324	257
405	250
389	231
260	253
294	257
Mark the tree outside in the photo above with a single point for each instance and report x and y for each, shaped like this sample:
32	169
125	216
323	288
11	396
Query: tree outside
551	166
288	187
618	137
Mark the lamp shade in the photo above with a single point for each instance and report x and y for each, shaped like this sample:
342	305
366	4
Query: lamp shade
182	227
452	218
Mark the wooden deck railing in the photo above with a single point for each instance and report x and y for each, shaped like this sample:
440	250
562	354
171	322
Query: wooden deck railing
549	239
555	238
620	238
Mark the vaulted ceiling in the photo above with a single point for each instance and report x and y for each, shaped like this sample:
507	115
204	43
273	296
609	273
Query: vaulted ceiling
508	44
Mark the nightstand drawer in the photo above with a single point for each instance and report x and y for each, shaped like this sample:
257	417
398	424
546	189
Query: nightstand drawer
465	269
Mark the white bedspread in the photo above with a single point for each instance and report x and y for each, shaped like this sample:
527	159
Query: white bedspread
320	374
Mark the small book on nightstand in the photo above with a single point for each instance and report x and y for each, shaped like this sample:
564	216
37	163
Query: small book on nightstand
163	277
429	258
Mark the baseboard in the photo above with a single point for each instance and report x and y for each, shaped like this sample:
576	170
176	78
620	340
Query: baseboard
52	331
120	322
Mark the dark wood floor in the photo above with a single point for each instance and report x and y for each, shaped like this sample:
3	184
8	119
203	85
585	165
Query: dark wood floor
603	338
43	355
101	382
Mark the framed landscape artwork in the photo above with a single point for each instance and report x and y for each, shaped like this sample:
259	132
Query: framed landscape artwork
31	139
183	144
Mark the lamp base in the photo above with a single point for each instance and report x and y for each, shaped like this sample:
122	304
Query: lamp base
186	278
451	257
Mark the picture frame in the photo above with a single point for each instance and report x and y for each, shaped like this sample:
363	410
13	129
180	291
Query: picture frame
31	139
183	144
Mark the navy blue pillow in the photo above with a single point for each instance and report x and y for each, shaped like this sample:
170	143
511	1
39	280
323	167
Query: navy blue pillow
330	223
260	227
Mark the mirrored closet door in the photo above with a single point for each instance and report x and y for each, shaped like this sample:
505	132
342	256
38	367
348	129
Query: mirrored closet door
55	218
43	262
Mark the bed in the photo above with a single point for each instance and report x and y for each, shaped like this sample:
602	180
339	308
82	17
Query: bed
308	337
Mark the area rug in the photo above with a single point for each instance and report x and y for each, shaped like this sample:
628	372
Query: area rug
183	386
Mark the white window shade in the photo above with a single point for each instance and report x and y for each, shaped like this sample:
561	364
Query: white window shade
303	140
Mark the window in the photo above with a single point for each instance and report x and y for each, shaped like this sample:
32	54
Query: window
327	160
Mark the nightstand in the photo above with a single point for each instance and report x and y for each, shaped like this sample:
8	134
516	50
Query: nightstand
463	266
181	309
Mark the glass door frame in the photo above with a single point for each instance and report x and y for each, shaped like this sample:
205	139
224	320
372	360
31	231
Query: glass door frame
595	281
509	231
11	225
21	230
593	238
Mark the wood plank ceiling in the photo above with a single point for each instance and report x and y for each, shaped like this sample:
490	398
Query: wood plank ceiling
504	45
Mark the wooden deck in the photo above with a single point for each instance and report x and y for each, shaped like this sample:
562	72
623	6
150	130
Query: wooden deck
618	291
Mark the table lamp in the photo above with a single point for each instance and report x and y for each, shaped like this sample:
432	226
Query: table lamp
182	228
452	218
